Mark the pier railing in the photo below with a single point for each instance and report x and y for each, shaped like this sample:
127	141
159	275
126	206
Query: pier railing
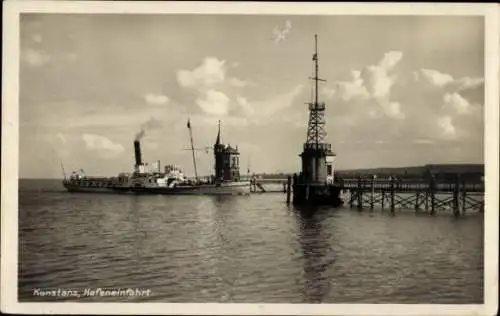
399	185
412	185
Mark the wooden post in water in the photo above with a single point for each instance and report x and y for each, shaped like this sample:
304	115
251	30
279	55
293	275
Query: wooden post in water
456	191
288	189
360	194
432	189
294	185
372	192
351	196
464	196
383	198
426	199
417	205
481	207
392	194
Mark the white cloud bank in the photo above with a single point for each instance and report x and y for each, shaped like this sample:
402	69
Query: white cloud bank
102	145
210	81
35	57
423	104
369	90
156	99
213	102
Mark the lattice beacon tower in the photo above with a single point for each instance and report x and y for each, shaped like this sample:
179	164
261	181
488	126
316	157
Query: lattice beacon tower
317	156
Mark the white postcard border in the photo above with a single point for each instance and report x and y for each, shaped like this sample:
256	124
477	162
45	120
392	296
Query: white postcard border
10	154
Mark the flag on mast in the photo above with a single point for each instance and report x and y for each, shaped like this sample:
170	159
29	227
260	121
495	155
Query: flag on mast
188	124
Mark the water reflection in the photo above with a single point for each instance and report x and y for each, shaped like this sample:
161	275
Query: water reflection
138	232
317	256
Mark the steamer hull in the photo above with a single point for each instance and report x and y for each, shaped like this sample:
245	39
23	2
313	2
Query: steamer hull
233	188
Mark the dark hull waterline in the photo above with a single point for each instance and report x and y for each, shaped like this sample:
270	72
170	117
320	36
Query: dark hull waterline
240	189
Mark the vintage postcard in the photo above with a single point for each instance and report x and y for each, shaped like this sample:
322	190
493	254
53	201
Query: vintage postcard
231	158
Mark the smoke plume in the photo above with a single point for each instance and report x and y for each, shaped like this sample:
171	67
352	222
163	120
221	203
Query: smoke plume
149	125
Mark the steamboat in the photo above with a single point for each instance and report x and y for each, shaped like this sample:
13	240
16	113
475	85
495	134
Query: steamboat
171	180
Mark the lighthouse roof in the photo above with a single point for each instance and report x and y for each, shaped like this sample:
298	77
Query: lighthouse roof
231	150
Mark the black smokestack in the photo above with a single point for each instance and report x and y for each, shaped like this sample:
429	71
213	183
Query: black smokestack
138	157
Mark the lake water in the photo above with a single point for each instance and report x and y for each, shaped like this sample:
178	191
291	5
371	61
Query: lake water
244	249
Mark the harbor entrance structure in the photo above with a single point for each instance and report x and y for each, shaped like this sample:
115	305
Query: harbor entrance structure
316	181
317	156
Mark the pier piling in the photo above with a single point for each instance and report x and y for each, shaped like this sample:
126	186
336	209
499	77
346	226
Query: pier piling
360	194
372	196
464	196
288	189
417	205
426	196
294	184
456	192
392	195
432	189
383	198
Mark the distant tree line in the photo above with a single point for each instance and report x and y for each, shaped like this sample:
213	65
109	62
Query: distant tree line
441	172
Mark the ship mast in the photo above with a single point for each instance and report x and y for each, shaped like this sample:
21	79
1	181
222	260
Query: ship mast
62	167
192	149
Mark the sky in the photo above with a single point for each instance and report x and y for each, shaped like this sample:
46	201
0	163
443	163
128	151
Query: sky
399	90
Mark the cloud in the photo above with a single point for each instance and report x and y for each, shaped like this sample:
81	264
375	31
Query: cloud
348	90
423	141
102	145
156	99
445	81
210	82
424	104
37	38
446	125
456	103
237	82
71	57
434	77
280	32
377	79
214	102
263	111
61	138
228	121
390	60
246	108
210	72
35	58
369	90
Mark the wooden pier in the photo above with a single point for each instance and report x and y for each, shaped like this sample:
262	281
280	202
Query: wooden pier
459	196
428	195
